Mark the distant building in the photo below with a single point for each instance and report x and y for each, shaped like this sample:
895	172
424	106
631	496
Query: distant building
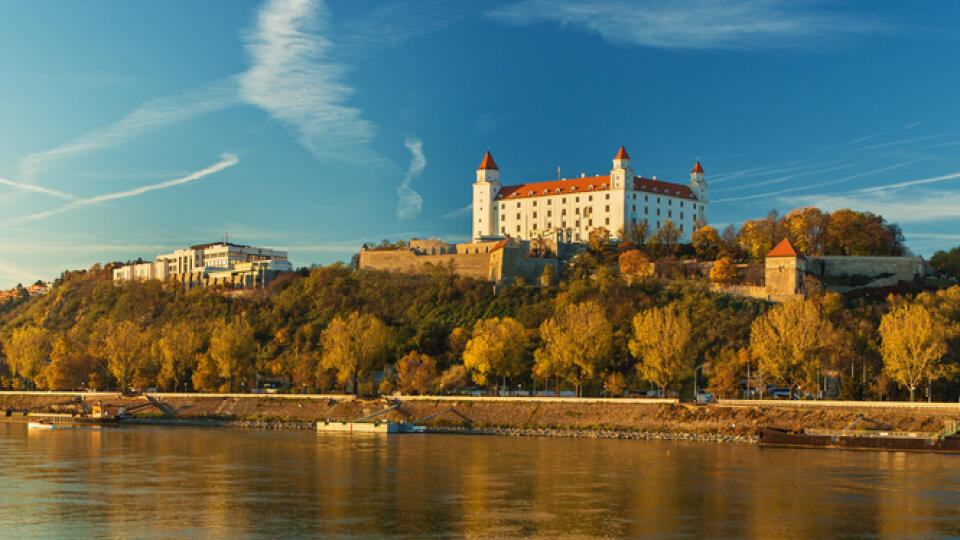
571	208
217	263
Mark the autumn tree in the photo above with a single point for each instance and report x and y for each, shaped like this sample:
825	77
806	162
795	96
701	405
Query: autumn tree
498	348
577	344
69	366
599	239
637	233
790	342
806	228
661	342
728	367
757	237
724	272
913	342
178	349
356	346
634	263
706	242
123	348
232	348
454	378
27	350
416	373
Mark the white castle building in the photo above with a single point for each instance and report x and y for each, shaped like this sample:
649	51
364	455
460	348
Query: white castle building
207	264
571	208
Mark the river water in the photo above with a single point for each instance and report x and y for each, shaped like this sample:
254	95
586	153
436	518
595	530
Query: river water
201	482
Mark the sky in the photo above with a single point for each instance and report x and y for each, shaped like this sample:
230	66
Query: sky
129	129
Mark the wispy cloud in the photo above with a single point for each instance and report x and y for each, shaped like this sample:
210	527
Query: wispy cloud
692	24
149	116
409	202
459	212
296	79
36	189
788	177
907	183
806	187
915	207
226	160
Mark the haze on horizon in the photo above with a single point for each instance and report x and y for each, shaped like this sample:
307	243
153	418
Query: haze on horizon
131	129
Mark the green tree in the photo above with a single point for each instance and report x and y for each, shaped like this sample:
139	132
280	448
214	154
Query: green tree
576	344
947	263
355	347
913	342
498	348
661	342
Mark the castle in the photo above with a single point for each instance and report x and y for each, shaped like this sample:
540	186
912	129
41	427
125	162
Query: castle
569	209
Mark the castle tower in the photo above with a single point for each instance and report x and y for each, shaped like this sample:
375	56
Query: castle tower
784	270
621	173
699	188
485	191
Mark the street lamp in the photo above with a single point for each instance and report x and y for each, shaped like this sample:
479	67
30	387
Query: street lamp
696	393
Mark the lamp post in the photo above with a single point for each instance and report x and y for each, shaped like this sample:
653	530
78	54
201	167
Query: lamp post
696	393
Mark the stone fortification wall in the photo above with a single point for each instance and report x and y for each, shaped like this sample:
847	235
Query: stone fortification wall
508	263
475	265
847	273
431	246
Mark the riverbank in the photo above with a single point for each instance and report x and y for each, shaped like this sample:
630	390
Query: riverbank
587	418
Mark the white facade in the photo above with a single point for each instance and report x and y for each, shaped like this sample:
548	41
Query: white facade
574	207
202	260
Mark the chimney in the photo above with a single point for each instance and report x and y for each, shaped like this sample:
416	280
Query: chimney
583	175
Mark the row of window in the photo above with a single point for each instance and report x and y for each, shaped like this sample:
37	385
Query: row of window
563	200
563	225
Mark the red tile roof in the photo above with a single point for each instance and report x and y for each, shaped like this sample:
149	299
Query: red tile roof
487	163
622	154
697	168
598	183
783	249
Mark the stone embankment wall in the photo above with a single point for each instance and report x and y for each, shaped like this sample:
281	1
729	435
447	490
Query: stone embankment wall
474	265
728	420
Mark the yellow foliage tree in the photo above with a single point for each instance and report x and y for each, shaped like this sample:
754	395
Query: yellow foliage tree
123	347
27	350
599	239
355	346
724	272
634	263
417	373
706	242
498	348
913	342
232	349
661	341
178	349
576	344
790	342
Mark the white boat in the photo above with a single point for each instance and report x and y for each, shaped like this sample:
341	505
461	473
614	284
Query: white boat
41	425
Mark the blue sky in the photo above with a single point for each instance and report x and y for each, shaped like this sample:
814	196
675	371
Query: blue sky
133	128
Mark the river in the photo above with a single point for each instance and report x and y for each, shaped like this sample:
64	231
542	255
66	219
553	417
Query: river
201	482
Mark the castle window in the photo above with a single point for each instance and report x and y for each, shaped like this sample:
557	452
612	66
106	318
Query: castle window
549	213
681	204
534	203
574	188
534	215
530	192
549	224
563	212
546	191
576	199
681	227
669	213
503	217
577	211
557	190
634	208
658	225
564	224
503	207
534	226
655	189
658	200
607	208
646	209
590	223
681	215
658	211
590	186
603	186
578	224
549	202
590	198
670	202
634	220
518	216
518	204
607	221
503	230
518	228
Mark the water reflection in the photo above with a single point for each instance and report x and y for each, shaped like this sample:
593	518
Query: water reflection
165	482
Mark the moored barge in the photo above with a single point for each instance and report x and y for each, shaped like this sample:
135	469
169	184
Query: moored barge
861	440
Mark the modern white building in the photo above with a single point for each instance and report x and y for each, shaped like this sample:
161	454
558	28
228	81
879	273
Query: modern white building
217	262
574	207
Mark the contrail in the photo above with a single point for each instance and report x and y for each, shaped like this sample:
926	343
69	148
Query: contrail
410	202
37	189
226	160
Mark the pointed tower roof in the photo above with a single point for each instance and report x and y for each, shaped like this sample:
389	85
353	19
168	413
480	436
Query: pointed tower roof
697	168
487	163
783	249
622	154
